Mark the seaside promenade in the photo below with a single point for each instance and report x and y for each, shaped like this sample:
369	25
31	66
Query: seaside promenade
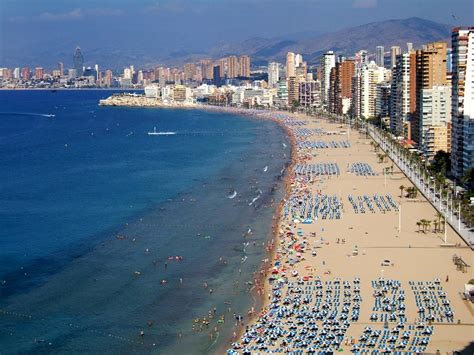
352	270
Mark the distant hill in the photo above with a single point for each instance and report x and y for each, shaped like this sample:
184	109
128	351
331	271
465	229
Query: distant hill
346	42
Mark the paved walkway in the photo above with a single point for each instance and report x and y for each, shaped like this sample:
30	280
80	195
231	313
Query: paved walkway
441	206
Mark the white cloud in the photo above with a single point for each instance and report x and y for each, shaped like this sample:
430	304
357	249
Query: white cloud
364	4
78	14
71	15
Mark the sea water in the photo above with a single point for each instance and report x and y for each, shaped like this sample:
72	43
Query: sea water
94	213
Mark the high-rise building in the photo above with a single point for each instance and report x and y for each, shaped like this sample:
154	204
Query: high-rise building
298	60
273	74
216	75
39	73
367	80
409	47
282	93
290	65
61	68
16	73
233	67
244	64
293	90
394	51
382	100
25	73
400	96
435	120
189	71
78	61
328	61
340	87
430	73
108	78
206	69
379	56
462	105
309	94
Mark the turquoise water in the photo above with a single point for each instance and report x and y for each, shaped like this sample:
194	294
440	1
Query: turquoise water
92	208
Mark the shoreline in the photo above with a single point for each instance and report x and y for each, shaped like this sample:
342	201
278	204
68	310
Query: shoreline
404	247
260	291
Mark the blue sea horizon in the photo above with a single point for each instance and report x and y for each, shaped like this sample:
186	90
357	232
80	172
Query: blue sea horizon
107	231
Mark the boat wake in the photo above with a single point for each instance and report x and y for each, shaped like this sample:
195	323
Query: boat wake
155	133
265	169
231	196
28	114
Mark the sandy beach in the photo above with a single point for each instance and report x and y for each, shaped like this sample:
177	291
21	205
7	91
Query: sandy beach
316	257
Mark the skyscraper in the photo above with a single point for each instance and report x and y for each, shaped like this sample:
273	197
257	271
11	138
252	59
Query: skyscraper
366	81
273	74
78	61
293	90
403	95
61	68
462	104
379	56
430	79
244	63
298	60
39	73
290	64
233	67
328	61
409	47
394	51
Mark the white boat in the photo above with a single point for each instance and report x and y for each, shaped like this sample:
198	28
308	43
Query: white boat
155	133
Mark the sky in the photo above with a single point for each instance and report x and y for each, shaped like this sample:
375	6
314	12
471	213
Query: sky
33	31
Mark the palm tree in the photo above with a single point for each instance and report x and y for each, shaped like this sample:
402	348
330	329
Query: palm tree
435	223
401	190
439	215
419	225
380	157
423	224
428	224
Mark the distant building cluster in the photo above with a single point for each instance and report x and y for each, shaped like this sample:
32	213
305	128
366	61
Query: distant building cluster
424	96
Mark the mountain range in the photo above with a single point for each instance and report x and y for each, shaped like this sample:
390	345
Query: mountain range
311	44
345	42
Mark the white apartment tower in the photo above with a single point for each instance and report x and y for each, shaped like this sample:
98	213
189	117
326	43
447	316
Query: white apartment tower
273	74
368	77
462	105
328	61
394	51
290	65
400	94
436	116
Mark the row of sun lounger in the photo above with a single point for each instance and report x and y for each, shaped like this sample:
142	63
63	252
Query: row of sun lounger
317	169
324	144
309	208
384	203
361	169
312	317
432	302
